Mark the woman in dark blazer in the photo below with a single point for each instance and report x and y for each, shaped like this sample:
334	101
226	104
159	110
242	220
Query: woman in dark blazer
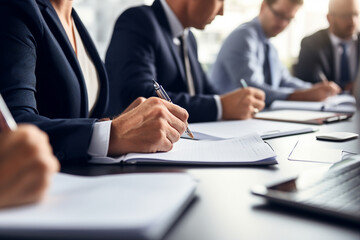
52	76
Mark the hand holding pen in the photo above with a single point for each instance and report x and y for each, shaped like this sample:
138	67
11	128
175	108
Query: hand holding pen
163	95
7	122
244	85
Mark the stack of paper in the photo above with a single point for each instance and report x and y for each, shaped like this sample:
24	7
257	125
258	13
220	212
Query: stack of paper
128	206
340	103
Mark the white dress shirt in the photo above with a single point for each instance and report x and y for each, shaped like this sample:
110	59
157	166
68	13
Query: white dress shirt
100	138
352	55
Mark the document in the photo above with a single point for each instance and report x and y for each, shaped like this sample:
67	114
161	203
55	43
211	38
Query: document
247	150
125	206
341	103
308	151
231	129
302	116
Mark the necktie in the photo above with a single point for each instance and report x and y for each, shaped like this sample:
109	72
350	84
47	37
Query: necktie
266	67
189	79
344	65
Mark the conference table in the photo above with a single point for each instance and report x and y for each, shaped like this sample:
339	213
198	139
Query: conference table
225	209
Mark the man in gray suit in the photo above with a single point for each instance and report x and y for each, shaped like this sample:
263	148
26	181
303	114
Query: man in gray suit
333	51
248	54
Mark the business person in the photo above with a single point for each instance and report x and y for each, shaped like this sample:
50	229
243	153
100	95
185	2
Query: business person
52	76
26	165
333	51
155	42
248	53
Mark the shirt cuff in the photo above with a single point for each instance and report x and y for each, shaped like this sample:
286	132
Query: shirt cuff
99	144
219	107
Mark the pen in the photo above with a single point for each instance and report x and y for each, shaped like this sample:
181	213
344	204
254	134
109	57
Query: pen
162	94
243	83
7	122
323	77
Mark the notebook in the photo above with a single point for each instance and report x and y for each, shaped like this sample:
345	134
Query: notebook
239	128
333	191
302	116
246	150
126	206
340	103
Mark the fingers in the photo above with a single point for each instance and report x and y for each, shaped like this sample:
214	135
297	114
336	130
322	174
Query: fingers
177	111
334	89
134	104
27	162
258	94
152	126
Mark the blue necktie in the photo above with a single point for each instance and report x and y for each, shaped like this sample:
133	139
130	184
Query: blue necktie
266	67
344	66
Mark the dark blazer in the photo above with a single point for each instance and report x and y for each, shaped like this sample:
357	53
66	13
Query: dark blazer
41	79
317	55
142	48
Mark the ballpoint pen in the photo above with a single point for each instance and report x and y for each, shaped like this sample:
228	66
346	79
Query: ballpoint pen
243	83
7	122
162	94
323	77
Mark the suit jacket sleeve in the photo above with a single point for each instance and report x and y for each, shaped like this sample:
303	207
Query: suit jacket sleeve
239	58
132	62
20	36
308	66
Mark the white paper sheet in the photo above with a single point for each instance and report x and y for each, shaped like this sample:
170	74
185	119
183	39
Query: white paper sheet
308	151
246	150
266	129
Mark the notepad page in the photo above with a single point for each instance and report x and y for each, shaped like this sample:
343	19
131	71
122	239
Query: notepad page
240	128
245	150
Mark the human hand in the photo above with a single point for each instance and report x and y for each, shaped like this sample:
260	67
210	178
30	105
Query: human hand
242	103
153	126
349	87
134	104
319	92
26	165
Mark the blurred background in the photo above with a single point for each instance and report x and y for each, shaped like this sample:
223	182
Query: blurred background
100	16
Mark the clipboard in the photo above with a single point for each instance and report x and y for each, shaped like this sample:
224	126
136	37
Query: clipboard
302	116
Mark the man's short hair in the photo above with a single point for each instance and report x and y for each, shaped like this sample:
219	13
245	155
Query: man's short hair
271	2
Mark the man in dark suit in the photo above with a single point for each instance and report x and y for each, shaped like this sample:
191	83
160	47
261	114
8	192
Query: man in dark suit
333	51
49	69
154	42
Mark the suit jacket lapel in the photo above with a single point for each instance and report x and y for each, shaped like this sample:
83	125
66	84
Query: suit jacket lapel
102	101
163	21
60	35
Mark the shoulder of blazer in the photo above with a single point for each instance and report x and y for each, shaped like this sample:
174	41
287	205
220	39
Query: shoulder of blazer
26	10
320	39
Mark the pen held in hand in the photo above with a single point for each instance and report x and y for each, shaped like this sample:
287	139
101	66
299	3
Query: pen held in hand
162	94
323	77
7	122
243	83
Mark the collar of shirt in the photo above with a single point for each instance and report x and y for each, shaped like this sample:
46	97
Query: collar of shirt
175	26
260	31
335	40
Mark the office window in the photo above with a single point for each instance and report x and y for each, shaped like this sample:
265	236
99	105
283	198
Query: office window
100	17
